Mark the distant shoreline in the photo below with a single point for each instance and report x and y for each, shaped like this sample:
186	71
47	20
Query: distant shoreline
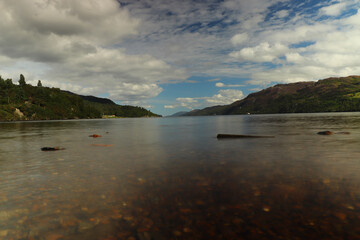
67	119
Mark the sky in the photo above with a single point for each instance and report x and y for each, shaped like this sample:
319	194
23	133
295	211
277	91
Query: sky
170	55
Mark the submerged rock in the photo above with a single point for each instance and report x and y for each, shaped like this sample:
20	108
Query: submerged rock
331	133
241	136
94	135
325	133
51	148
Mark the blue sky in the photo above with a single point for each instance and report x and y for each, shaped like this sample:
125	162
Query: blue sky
170	55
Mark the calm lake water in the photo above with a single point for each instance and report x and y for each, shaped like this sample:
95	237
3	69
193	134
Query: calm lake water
171	178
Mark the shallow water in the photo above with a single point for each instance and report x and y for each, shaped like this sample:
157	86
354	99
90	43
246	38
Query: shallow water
170	178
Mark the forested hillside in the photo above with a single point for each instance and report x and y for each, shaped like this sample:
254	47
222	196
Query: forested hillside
26	102
327	95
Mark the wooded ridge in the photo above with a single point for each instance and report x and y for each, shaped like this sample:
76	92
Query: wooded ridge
327	95
27	102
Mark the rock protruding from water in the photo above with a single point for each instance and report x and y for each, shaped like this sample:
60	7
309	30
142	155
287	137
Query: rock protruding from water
51	148
94	135
326	133
331	133
222	136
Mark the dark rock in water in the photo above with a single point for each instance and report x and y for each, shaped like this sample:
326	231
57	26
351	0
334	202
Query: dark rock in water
95	135
220	136
325	133
51	148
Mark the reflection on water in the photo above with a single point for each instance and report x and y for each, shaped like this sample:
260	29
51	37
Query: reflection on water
171	178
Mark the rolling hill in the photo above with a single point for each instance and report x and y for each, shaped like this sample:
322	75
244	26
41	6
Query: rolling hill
26	102
327	95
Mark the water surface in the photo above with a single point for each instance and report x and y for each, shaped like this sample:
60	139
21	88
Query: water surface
170	178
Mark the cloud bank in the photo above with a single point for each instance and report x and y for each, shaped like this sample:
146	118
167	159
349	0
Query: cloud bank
74	45
223	97
304	47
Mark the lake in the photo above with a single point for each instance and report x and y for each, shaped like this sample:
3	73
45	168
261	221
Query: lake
171	178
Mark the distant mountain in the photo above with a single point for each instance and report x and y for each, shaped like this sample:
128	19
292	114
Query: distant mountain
327	95
26	102
178	114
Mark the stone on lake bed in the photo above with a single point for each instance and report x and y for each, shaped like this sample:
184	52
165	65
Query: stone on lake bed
7	214
3	233
331	133
221	136
266	209
51	148
84	226
94	135
326	133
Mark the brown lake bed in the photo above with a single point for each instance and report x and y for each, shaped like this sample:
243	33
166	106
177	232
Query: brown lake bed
171	178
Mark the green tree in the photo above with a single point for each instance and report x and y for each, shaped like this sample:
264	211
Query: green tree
9	83
2	81
22	80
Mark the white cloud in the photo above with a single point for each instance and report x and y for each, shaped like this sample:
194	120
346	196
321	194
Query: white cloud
75	41
300	32
294	57
333	10
304	50
95	20
289	74
223	97
55	31
187	100
264	52
221	85
239	39
124	68
189	103
300	73
170	106
353	20
135	92
282	14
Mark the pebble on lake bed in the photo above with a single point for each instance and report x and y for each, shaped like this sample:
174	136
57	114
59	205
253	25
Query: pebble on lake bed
266	209
4	233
